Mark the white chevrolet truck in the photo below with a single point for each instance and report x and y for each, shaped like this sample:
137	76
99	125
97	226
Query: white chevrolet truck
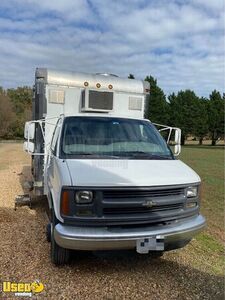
111	179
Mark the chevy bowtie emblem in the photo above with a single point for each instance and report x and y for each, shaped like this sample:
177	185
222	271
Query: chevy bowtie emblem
149	203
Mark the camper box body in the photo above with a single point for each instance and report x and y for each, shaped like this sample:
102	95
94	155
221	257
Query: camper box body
122	188
59	93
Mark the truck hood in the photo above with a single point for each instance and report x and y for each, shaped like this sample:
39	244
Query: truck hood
87	172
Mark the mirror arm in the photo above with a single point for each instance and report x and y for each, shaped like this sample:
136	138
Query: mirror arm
177	146
40	122
168	139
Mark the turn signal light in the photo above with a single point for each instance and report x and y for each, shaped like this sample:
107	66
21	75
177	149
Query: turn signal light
65	203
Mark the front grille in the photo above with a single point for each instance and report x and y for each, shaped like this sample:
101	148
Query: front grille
142	202
139	193
134	210
129	206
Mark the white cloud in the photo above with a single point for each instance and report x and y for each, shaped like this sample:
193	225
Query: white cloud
180	44
213	5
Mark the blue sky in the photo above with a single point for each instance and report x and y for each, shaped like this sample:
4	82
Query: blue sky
181	43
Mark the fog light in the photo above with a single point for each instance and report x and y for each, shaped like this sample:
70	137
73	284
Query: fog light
192	191
191	204
84	197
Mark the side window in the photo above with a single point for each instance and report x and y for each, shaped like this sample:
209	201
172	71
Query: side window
55	136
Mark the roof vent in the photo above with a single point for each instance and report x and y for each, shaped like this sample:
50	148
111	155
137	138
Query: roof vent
106	74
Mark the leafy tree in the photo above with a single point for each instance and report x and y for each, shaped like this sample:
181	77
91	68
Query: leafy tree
7	117
216	116
157	109
21	99
201	123
185	113
131	76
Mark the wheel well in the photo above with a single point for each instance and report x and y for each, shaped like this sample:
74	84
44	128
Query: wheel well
51	206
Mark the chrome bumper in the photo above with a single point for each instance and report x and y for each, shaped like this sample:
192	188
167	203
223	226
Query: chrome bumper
106	238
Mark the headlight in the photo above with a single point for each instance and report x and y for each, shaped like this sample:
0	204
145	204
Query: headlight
84	197
192	191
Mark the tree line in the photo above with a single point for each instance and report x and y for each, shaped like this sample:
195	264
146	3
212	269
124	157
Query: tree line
199	117
196	116
15	110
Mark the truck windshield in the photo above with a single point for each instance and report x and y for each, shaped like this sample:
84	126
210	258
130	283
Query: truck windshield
109	137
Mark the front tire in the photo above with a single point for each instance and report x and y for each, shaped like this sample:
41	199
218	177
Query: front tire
59	255
48	232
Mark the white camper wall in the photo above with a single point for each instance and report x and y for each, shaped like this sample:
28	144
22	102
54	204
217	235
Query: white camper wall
121	105
71	102
69	106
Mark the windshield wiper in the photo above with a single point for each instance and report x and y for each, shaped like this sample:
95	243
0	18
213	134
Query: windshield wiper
142	154
80	153
99	155
121	155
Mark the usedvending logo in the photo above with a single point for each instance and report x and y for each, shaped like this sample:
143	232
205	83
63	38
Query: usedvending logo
22	289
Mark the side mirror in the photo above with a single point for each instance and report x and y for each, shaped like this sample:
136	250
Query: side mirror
29	133
28	147
177	139
29	130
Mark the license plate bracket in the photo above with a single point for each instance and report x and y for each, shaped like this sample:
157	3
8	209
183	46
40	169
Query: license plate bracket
155	243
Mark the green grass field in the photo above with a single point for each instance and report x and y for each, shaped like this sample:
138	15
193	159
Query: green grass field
208	162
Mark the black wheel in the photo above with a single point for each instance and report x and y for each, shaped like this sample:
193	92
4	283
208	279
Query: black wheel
48	232
59	255
156	254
